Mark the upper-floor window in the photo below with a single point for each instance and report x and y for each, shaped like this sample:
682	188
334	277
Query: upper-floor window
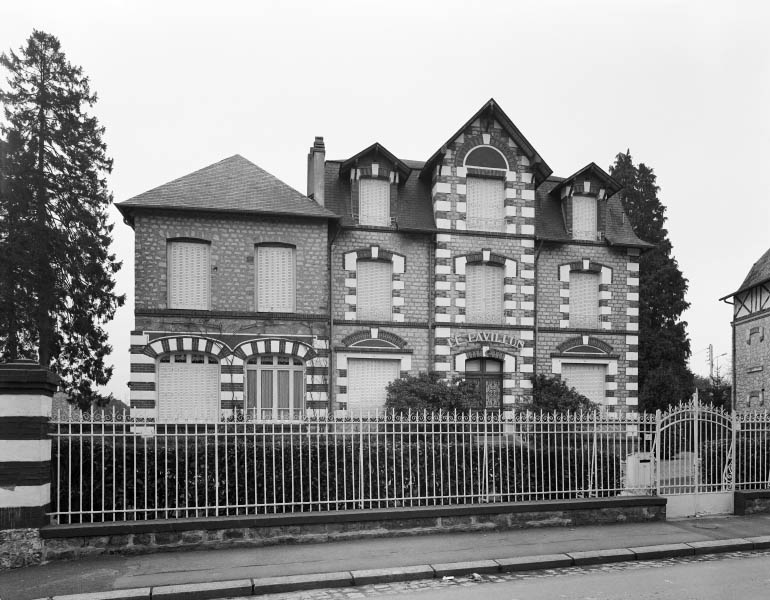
485	204
484	294
374	202
276	278
584	218
374	290
189	274
584	300
485	189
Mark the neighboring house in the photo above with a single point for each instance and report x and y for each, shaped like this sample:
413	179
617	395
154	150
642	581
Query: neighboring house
751	346
476	263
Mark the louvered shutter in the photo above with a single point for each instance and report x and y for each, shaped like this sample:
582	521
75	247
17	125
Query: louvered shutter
588	380
484	294
584	300
276	279
375	290
583	218
374	202
188	392
188	275
368	380
485	204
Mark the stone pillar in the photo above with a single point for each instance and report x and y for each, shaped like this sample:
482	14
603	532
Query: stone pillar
26	391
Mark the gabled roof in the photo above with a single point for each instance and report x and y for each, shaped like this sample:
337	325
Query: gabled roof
376	149
759	273
493	110
611	185
549	220
233	185
414	211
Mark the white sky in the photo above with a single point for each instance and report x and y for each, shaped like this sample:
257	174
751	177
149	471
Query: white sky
684	85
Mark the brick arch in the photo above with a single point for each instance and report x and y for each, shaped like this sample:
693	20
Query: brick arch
471	142
485	257
187	343
578	341
277	345
387	336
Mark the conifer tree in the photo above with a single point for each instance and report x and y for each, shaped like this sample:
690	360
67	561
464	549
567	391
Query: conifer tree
57	274
664	347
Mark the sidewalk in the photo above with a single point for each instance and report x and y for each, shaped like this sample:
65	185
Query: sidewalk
388	556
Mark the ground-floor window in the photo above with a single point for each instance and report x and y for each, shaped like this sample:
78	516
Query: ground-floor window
275	387
486	375
188	387
368	379
587	379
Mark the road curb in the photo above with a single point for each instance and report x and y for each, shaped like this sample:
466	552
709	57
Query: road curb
293	583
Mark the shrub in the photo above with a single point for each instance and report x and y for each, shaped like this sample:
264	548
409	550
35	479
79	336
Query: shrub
427	391
550	393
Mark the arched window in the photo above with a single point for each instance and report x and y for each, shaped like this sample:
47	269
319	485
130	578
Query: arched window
485	189
486	374
275	387
188	387
486	157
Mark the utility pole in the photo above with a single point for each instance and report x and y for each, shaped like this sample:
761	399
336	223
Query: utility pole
711	360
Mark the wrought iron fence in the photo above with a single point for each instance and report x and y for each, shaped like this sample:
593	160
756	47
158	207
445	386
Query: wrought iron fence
109	467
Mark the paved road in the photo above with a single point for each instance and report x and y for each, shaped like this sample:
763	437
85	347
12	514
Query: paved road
737	575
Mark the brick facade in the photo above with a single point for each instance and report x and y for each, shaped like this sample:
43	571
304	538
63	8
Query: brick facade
430	243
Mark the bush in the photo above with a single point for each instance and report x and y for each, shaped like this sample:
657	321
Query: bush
427	391
550	393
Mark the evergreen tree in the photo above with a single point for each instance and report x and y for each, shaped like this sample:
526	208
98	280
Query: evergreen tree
664	347
57	273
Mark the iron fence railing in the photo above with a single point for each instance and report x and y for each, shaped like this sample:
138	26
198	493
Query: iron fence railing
109	467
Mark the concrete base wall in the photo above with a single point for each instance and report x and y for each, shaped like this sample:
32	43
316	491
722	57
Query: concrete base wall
753	502
64	542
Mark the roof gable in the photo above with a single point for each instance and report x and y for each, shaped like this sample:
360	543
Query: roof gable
376	149
759	273
232	185
612	186
489	112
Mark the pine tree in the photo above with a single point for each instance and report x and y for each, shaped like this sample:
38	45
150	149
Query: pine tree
57	274
664	347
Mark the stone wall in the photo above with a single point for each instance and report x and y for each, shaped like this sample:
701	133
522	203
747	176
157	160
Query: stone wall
71	542
752	361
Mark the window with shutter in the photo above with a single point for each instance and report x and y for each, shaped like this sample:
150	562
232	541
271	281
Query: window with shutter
584	300
188	275
368	379
276	279
485	204
583	218
374	290
587	379
484	294
188	388
374	202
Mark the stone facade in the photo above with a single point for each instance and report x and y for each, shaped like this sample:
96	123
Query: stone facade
428	231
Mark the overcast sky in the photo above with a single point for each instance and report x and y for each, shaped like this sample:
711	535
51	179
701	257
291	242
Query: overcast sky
684	85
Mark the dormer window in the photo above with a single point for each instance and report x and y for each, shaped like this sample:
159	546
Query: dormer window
584	226
374	202
485	189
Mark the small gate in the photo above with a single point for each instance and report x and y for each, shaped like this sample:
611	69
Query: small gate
694	452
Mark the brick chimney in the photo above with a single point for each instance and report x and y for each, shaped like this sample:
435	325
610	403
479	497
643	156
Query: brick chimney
315	170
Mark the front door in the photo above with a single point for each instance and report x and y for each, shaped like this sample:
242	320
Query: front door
486	375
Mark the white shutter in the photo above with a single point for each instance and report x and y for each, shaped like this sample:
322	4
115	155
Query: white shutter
484	294
368	379
374	202
276	279
584	300
188	275
584	218
374	290
188	392
485	204
588	379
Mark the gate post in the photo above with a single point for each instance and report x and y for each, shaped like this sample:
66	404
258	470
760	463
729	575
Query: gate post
26	392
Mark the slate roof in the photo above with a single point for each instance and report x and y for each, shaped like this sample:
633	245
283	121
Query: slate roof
549	221
233	185
759	273
415	210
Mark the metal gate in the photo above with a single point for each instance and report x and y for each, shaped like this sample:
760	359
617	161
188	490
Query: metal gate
694	452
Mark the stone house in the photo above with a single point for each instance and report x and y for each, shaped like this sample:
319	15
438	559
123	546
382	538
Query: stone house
476	263
751	326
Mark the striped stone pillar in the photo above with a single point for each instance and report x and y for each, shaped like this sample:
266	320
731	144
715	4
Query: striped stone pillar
26	390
